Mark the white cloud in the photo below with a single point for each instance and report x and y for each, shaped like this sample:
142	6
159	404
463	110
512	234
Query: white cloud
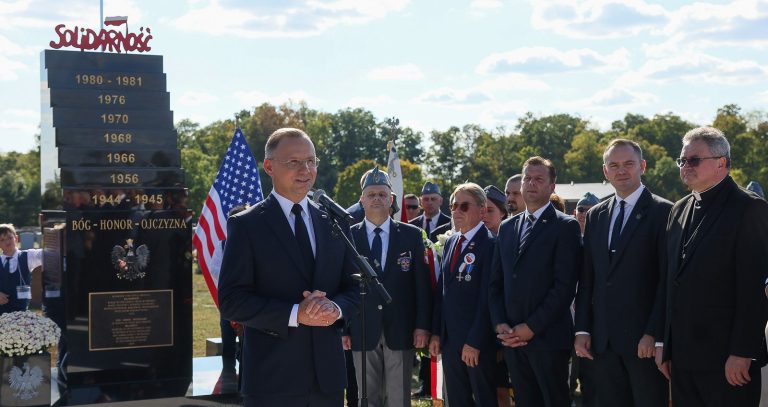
21	121
8	68
616	97
486	4
407	72
193	98
503	113
763	96
513	81
256	98
454	97
697	68
598	18
288	18
741	22
548	60
367	102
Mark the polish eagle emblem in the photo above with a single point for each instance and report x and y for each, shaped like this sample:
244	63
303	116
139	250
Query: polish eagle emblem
129	262
24	383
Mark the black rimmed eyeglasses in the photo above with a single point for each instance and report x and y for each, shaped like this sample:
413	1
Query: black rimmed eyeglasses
694	161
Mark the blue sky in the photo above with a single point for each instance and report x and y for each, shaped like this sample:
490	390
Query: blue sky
430	63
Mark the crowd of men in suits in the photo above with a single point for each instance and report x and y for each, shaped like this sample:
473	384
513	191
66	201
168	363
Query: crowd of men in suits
650	295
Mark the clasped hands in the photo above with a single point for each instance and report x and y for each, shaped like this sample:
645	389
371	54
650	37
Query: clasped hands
317	310
515	337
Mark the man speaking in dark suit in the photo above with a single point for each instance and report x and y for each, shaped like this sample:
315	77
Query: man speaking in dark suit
535	267
717	261
287	280
619	299
396	252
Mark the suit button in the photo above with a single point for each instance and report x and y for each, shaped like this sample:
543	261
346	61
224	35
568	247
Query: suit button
514	275
379	306
609	284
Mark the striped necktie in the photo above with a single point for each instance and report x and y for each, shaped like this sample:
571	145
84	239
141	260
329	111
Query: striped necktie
526	232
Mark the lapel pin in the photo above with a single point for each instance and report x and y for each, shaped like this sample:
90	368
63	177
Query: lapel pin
639	216
543	221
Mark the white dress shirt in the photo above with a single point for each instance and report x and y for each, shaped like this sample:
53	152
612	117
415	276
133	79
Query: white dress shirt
369	229
629	204
287	205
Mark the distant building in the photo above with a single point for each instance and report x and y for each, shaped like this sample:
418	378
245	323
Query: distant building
572	192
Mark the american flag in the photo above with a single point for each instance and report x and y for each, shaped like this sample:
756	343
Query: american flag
236	183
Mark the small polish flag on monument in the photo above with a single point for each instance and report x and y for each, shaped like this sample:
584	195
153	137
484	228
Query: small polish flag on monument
116	21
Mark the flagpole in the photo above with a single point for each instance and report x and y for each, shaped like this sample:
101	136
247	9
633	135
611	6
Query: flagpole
101	13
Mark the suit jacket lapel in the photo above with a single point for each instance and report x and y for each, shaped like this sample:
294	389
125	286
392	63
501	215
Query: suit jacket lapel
393	248
601	234
277	221
516	226
713	212
635	218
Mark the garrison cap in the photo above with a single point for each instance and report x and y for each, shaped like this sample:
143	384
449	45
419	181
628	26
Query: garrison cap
755	187
493	193
430	188
376	177
589	199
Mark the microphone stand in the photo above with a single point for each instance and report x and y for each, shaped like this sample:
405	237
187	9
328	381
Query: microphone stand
365	278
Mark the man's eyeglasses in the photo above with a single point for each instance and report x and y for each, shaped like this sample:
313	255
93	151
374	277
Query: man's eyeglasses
693	161
310	163
464	206
412	207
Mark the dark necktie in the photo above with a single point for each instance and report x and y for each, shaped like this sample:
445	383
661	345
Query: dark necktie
456	253
617	226
302	238
426	227
527	226
376	248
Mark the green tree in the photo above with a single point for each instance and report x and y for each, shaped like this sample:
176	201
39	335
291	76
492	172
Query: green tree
347	189
730	121
550	136
584	161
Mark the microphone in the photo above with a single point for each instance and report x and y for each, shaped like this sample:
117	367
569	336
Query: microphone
320	198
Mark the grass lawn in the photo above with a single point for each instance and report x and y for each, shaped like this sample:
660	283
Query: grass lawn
205	315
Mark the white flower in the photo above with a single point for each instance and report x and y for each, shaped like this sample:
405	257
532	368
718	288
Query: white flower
26	333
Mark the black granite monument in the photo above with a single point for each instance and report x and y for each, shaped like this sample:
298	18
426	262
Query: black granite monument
117	231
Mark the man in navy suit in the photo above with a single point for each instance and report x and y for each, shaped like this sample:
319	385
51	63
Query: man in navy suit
396	252
461	329
619	301
287	280
535	268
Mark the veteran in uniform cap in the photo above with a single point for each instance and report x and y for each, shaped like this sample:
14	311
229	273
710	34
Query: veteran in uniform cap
432	218
582	206
755	187
495	208
396	252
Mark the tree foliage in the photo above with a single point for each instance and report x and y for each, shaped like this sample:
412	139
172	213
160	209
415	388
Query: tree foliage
350	141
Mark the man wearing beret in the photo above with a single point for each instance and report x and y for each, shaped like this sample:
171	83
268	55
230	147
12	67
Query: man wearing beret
432	218
396	252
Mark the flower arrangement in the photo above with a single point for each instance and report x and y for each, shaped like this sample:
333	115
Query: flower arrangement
26	333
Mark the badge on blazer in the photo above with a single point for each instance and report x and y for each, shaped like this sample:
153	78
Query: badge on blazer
471	246
469	258
404	261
